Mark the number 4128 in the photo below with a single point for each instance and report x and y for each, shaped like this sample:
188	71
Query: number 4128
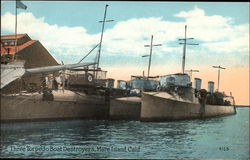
224	148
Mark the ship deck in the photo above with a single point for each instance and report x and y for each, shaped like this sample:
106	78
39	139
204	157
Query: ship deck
59	95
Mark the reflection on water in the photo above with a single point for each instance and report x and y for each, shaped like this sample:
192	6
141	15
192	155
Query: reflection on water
223	137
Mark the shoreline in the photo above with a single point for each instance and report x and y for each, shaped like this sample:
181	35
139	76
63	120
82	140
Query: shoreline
243	106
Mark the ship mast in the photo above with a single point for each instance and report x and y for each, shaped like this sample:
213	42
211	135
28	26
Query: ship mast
191	71
184	48
219	67
150	55
100	44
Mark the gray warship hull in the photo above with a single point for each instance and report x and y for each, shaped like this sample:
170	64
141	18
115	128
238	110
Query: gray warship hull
66	105
160	106
125	108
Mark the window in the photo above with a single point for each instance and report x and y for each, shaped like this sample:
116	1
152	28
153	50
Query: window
12	43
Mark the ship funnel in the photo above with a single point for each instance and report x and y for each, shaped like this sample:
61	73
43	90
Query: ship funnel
197	83
110	83
211	86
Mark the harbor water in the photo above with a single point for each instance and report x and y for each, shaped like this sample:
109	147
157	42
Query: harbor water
213	138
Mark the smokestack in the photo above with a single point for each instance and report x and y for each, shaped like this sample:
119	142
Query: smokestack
211	86
197	83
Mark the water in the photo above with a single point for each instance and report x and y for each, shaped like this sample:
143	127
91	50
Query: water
223	137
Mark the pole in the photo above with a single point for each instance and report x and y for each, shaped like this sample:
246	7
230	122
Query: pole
100	45
150	55
184	50
191	71
13	57
218	78
219	67
191	75
149	63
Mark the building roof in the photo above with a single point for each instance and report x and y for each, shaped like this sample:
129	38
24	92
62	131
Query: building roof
12	48
4	49
12	36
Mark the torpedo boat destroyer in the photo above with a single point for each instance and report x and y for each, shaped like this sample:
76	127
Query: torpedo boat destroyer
89	101
81	90
176	99
172	97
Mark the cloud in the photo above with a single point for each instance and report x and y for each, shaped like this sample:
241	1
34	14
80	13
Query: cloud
135	33
61	40
218	36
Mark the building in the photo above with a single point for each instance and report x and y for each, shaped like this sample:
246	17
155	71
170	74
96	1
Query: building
32	52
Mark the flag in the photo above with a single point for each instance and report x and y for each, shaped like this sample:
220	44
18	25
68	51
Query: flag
19	4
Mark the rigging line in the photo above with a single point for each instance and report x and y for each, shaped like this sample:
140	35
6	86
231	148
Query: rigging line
89	53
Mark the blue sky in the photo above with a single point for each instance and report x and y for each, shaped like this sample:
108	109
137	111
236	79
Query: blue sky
70	29
87	13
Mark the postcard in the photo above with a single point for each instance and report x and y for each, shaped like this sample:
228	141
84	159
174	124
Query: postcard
124	80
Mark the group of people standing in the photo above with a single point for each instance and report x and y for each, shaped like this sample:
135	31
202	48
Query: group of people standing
55	83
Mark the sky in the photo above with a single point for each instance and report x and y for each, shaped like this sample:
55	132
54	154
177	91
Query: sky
70	29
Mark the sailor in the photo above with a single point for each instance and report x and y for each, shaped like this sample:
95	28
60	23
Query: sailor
47	81
54	84
63	79
43	85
